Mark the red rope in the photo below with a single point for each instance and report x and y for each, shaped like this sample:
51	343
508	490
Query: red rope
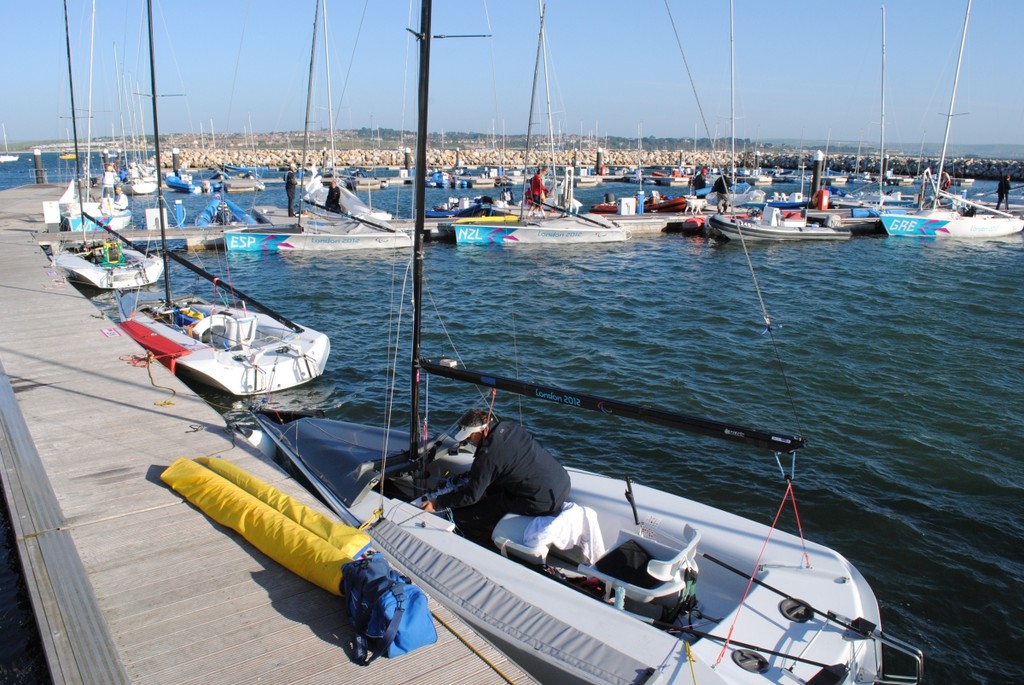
490	407
789	495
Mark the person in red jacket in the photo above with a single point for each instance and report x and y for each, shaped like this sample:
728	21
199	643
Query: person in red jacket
538	191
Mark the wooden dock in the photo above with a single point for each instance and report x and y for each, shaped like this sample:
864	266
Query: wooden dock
128	582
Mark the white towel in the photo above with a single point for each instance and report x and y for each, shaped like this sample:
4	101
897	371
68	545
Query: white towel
576	525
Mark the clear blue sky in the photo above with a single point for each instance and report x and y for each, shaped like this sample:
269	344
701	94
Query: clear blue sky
805	69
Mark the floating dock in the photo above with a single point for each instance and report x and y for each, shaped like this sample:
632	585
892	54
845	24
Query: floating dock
128	582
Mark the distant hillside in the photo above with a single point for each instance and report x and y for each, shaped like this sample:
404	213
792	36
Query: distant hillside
391	139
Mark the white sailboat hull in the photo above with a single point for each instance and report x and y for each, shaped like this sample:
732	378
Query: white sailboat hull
255	354
319	233
558	231
947	223
561	634
137	271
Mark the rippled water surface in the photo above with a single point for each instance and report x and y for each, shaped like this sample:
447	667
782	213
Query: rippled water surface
898	359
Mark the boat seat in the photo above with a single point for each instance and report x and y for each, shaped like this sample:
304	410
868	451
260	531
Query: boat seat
572	535
642	569
246	330
508	536
772	216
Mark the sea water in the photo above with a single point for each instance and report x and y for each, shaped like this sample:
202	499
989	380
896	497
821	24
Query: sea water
898	359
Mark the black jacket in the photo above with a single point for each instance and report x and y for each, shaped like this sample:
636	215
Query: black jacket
333	202
513	468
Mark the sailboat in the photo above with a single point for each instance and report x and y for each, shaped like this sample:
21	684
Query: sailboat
566	225
109	266
716	598
228	347
6	156
960	217
322	231
106	264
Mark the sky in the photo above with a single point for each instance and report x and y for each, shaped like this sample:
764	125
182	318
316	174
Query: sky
804	69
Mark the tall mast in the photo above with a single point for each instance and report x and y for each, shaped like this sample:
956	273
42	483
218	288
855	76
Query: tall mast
74	121
156	149
419	207
881	142
533	99
309	100
952	97
732	90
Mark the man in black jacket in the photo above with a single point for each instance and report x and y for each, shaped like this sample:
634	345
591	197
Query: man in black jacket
511	473
291	182
1003	192
333	202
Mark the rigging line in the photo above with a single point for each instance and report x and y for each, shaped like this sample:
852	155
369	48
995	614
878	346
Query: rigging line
750	581
429	295
405	91
689	74
494	72
352	58
389	400
234	76
770	331
177	69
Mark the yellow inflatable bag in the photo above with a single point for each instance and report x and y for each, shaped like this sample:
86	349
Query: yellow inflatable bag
300	539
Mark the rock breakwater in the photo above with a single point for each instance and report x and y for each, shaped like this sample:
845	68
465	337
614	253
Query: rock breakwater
201	158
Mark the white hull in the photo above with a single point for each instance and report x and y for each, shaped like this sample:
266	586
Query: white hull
239	352
940	223
321	232
139	187
118	221
563	230
764	228
560	634
137	271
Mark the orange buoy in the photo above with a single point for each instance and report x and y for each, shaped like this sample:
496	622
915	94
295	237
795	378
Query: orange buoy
821	198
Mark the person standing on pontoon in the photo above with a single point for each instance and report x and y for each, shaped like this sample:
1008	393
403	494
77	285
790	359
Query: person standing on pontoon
291	182
1003	192
107	191
511	473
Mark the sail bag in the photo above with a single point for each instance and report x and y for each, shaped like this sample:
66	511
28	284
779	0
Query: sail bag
302	540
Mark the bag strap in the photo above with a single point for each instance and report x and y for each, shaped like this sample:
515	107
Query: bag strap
396	588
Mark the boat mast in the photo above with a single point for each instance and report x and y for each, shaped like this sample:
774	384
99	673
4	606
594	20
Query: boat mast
547	93
533	100
309	100
419	207
952	99
156	150
881	141
732	91
74	121
330	109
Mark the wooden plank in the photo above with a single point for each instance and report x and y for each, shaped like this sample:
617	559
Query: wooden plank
130	583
